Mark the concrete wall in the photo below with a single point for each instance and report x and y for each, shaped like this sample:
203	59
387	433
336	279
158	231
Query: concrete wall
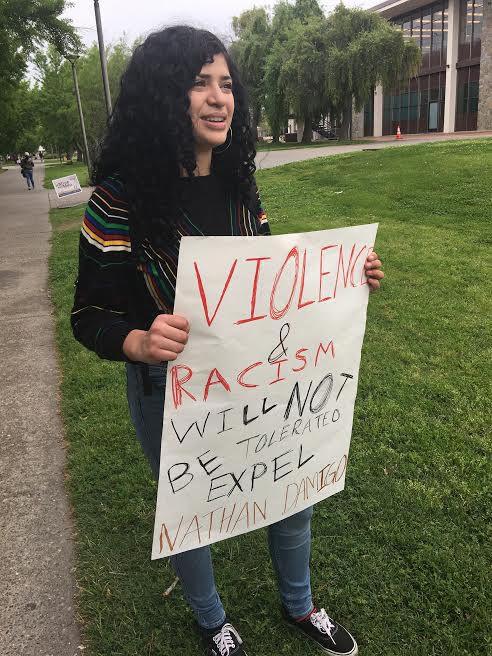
484	120
451	72
357	124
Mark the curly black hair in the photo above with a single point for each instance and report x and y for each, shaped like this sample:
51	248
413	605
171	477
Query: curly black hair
150	135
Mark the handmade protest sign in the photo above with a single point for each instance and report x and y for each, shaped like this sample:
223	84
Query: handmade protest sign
66	186
259	406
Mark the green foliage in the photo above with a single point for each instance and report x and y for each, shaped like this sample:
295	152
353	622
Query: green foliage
91	86
302	74
58	111
315	65
26	25
57	108
363	50
20	129
249	51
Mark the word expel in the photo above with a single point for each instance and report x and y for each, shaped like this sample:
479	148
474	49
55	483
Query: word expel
334	267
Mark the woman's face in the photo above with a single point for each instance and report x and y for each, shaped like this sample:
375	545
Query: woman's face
212	104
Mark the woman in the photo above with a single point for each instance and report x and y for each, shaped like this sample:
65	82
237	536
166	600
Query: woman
178	159
27	166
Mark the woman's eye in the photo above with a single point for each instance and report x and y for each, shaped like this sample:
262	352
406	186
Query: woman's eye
228	86
199	83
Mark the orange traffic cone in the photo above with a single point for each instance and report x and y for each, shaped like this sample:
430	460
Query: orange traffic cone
398	133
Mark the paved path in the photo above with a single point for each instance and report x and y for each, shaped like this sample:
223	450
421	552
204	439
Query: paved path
266	159
36	563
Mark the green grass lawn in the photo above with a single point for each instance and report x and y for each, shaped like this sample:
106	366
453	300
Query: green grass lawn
54	170
402	556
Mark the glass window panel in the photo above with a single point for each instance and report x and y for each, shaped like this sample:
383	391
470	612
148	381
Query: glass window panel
444	34
436	46
426	39
407	29
469	21
416	26
434	87
477	28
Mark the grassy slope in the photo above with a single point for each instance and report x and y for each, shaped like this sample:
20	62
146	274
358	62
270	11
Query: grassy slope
401	556
54	170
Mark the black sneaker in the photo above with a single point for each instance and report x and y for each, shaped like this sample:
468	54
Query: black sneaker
224	641
330	636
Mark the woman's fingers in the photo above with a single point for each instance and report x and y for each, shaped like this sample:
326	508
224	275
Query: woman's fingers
171	326
373	264
374	273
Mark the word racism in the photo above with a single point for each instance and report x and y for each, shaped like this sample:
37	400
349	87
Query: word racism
259	406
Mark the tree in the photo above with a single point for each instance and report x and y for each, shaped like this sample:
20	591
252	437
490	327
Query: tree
363	50
20	126
252	31
315	65
58	113
25	25
57	108
262	50
91	86
302	73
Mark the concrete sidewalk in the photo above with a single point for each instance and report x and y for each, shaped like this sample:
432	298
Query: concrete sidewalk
36	561
266	159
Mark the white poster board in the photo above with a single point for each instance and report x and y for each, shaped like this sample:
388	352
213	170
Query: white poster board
66	186
259	406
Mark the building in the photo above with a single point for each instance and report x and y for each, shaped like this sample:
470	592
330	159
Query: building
453	89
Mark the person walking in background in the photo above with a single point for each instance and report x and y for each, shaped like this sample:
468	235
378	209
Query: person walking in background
27	166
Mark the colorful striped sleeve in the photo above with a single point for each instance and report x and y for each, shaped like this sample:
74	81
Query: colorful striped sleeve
259	212
100	315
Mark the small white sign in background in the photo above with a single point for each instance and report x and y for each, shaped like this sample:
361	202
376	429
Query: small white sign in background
66	186
259	406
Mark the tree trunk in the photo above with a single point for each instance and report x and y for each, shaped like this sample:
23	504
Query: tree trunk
256	121
346	122
307	135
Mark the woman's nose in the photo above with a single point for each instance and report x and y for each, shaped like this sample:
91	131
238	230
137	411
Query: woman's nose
216	95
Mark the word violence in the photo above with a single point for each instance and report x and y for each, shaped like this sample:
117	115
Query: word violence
336	269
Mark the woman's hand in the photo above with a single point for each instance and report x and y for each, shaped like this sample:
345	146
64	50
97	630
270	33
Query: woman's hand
373	271
163	341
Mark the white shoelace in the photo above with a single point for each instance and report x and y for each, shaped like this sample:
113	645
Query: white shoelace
225	641
323	623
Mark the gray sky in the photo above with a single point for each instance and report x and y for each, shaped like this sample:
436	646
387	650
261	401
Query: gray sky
138	17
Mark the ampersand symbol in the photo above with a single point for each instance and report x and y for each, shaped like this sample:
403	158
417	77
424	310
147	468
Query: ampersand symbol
275	355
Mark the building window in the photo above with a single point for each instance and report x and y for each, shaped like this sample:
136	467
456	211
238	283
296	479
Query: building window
416	29
429	29
471	16
437	40
467	98
418	107
426	39
477	28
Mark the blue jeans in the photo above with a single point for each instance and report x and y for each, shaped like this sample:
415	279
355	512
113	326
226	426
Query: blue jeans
28	174
289	540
